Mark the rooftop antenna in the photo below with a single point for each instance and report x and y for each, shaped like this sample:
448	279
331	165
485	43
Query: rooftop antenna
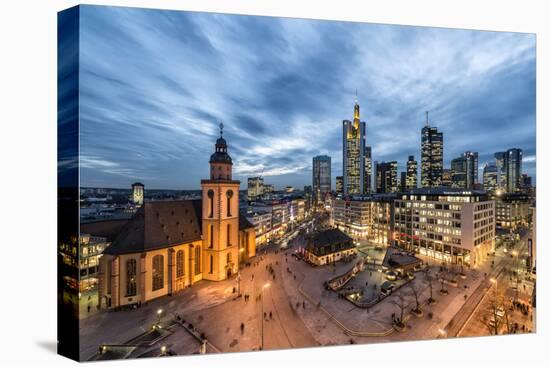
427	123
355	95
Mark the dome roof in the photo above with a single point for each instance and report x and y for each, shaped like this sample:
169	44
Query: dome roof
221	155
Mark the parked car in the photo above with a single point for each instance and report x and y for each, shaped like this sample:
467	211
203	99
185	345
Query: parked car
386	288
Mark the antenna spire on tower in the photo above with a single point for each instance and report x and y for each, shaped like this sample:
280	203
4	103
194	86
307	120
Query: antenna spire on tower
356	95
427	123
221	128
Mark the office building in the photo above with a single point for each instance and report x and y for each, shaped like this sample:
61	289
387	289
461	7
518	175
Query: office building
386	177
321	180
255	188
448	224
490	176
368	171
432	156
512	209
354	139
412	173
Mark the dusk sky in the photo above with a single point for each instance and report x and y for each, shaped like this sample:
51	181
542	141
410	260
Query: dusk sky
154	86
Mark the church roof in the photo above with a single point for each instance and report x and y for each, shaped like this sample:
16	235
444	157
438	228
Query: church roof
161	224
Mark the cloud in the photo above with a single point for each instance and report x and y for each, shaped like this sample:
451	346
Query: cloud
155	85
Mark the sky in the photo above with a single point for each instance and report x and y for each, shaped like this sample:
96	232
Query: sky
155	84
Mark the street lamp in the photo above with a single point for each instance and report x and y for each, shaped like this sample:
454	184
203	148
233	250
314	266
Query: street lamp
163	350
442	333
159	315
265	286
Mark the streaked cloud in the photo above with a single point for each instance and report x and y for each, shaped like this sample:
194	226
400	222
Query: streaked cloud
156	84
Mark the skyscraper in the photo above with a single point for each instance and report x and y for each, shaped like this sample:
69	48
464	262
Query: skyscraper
138	190
368	171
432	156
514	159
403	182
354	153
386	177
458	172
412	173
490	176
500	161
465	170
509	164
471	169
321	176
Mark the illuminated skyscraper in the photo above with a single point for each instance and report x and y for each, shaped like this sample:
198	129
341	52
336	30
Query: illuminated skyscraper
500	161
368	171
354	154
386	177
412	173
514	159
432	156
490	176
321	176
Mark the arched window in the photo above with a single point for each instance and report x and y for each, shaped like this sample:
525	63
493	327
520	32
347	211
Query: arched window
198	260
229	195
211	234
180	264
158	272
131	272
228	234
211	203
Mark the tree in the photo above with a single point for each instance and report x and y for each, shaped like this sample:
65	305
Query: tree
416	291
430	280
494	313
443	282
401	304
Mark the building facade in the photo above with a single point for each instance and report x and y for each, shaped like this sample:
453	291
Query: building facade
465	171
328	247
451	225
354	139
339	185
432	156
366	217
368	171
512	210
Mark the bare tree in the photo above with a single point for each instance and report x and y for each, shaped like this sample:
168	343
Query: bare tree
415	292
443	282
430	280
401	304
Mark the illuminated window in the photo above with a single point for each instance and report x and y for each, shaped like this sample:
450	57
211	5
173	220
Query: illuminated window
158	272
180	263
131	271
198	260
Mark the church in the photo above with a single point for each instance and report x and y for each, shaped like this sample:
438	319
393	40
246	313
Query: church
170	245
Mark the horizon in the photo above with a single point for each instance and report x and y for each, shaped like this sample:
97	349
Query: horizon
154	85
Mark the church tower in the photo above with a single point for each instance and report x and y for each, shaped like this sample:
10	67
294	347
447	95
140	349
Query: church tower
220	216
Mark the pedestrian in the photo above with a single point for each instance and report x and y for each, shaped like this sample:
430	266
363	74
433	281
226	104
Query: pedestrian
304	304
265	315
270	315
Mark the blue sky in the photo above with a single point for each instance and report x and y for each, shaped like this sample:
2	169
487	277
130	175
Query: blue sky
154	86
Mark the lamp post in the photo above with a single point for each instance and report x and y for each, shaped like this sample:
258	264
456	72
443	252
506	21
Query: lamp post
159	315
265	286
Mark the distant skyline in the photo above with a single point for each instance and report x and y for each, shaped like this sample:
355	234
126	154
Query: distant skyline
155	84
